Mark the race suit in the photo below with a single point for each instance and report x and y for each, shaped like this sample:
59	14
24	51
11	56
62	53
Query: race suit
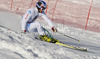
29	24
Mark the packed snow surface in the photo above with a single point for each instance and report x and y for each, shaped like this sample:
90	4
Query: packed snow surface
14	45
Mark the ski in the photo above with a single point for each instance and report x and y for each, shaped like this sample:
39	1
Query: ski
72	47
66	45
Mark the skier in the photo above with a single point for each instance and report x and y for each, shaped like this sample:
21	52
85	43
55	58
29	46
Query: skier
29	24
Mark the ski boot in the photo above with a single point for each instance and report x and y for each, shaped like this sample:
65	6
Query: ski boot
47	39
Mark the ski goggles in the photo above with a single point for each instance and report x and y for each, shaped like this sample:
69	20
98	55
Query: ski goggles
43	8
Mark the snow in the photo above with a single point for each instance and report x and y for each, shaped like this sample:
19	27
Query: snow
14	45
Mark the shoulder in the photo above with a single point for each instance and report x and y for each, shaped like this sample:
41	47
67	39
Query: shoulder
43	13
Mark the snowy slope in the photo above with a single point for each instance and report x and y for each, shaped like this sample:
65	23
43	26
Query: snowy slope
14	45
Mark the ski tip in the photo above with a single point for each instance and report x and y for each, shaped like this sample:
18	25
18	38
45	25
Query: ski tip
85	49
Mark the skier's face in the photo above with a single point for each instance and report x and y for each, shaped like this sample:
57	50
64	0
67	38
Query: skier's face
40	11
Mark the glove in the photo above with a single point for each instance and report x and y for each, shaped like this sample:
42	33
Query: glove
54	29
23	32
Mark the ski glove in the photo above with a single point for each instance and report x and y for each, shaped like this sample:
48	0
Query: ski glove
54	29
23	32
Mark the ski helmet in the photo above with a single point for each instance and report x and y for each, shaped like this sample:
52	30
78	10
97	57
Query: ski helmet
41	5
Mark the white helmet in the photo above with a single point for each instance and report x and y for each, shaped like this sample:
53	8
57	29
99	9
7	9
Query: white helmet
41	5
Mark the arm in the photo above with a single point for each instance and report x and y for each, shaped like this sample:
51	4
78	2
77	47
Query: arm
50	23
47	20
25	19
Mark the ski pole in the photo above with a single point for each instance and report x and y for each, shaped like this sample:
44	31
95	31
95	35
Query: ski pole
48	33
69	37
